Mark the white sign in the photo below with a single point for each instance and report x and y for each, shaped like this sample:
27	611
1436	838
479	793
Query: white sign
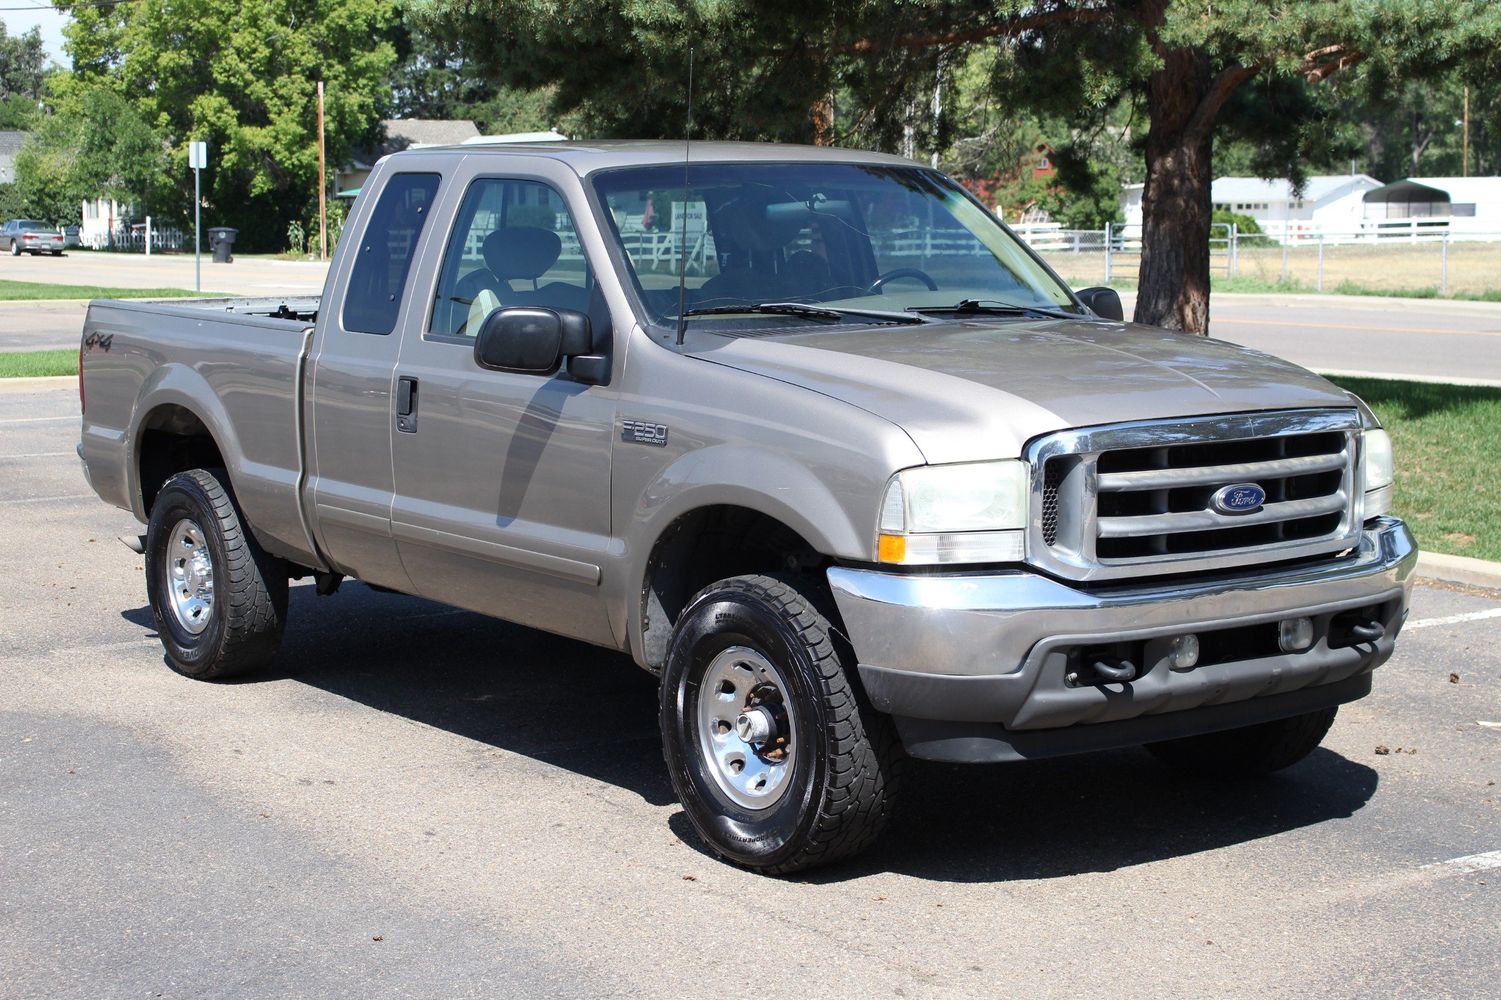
197	155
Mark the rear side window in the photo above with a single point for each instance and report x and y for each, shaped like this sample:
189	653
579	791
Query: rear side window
387	246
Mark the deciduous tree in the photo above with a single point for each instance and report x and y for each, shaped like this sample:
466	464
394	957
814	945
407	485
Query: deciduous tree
242	75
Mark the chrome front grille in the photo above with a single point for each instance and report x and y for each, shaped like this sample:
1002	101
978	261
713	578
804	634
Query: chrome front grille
1136	499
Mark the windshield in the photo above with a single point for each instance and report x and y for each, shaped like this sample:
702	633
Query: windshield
857	237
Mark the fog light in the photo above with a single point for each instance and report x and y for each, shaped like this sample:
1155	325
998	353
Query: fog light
1294	635
1183	652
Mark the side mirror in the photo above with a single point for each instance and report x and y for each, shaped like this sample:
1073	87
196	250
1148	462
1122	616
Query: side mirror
1103	302
530	341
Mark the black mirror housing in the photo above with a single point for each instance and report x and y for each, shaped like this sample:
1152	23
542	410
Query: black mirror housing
528	340
1103	302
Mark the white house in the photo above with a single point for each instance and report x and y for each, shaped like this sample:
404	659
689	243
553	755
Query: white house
100	218
1327	204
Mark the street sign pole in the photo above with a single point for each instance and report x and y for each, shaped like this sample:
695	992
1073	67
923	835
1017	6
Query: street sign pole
197	159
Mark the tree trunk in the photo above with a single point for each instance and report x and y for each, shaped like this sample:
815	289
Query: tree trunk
1173	283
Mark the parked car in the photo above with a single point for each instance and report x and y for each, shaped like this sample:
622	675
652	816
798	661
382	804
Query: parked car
30	236
71	236
861	477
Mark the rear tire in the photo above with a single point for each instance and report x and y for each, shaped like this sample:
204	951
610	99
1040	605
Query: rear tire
1249	751
219	600
15	251
819	783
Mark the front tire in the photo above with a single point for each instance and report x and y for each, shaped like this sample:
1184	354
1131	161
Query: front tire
219	600
775	753
1249	751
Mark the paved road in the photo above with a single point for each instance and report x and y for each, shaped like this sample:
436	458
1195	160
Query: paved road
425	802
36	326
1435	340
1351	335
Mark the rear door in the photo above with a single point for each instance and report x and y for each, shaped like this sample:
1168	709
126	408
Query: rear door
353	368
503	480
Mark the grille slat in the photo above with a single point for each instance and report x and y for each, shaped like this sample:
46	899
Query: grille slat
1146	479
1208	520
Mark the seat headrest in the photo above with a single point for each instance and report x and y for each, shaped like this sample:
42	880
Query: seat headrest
521	252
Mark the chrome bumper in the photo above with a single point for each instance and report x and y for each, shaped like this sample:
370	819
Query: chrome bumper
994	649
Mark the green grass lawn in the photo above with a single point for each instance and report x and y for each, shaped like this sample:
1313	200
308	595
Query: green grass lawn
26	291
1447	443
30	364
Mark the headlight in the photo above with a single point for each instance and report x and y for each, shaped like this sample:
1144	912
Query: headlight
1376	472
955	514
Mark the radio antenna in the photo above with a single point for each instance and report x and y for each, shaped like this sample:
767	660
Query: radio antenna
683	223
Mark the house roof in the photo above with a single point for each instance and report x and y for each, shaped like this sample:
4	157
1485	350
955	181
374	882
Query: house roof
412	133
1234	189
428	131
11	142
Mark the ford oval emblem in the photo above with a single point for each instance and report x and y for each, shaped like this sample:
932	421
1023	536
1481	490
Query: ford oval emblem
1238	498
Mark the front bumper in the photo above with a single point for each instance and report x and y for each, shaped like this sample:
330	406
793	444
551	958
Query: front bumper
975	666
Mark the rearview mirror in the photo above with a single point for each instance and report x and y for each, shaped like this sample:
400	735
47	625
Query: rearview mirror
1103	302
528	340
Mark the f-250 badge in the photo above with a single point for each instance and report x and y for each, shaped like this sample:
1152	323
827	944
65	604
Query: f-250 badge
643	432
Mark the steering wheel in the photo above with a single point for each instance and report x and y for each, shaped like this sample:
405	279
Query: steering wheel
874	288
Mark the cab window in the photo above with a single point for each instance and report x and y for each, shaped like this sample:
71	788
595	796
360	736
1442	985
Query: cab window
378	280
513	244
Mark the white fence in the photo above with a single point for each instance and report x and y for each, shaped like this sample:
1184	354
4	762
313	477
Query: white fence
1408	255
132	239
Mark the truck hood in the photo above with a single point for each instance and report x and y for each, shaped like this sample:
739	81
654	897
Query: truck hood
978	389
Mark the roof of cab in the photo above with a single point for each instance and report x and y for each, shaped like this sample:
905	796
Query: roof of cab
586	157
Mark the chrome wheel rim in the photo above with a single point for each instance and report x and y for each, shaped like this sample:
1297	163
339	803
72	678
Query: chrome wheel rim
745	728
189	577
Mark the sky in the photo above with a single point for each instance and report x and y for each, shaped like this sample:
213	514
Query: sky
48	18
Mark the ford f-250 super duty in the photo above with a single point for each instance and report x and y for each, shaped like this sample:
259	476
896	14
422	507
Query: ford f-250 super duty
806	432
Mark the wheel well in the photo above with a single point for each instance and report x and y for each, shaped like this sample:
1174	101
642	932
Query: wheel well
709	544
173	440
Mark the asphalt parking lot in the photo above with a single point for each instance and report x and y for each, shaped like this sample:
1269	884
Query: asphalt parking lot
421	802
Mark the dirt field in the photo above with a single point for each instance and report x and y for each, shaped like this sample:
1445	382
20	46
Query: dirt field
1473	268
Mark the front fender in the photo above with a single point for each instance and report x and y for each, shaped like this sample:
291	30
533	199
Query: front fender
836	518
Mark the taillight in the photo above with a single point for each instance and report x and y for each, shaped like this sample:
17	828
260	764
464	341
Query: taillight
82	403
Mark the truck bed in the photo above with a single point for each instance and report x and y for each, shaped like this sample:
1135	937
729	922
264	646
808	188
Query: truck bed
235	362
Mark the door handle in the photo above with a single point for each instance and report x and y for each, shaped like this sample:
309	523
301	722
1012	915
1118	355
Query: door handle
406	405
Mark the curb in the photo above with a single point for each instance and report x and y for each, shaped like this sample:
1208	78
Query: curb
1459	569
38	382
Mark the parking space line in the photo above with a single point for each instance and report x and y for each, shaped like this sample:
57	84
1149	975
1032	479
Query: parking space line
1489	861
1469	616
39	454
36	420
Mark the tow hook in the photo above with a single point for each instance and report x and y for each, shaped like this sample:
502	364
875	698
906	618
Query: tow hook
1103	671
1364	629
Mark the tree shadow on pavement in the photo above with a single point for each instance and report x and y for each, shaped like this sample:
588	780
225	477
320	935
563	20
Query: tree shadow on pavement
593	712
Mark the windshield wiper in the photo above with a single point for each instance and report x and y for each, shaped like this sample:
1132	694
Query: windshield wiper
970	307
801	310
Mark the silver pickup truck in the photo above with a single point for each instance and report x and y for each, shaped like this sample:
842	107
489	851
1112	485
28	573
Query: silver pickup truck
805	432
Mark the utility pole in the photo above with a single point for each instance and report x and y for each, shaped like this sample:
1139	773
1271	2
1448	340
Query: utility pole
322	185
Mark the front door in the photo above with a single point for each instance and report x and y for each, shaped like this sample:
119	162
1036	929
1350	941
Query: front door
503	480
